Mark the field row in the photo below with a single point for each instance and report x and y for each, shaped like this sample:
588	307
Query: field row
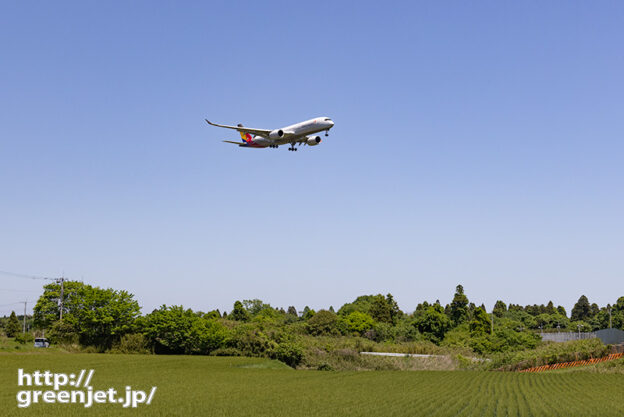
218	386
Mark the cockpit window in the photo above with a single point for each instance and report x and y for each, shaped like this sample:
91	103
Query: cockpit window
327	119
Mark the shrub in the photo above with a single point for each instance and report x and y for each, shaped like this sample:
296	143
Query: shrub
24	338
381	332
131	343
250	340
405	331
288	352
226	352
63	332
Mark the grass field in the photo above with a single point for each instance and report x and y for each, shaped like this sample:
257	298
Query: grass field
227	386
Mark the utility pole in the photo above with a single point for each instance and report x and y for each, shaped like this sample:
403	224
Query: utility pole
610	323
24	330
61	280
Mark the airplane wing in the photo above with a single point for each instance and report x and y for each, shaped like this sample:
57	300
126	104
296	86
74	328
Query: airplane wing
261	132
235	143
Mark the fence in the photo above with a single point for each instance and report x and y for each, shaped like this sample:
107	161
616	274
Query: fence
566	336
573	363
607	336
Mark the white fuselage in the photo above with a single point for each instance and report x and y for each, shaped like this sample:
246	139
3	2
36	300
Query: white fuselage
298	131
310	126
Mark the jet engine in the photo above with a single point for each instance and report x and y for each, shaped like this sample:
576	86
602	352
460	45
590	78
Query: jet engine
259	140
276	134
313	140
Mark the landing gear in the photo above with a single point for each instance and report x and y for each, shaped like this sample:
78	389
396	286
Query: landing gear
292	147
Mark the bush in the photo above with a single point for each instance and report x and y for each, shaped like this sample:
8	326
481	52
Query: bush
288	352
226	352
250	340
24	338
405	331
381	332
131	343
63	332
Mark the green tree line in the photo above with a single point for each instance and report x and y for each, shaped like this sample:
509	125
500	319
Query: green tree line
111	319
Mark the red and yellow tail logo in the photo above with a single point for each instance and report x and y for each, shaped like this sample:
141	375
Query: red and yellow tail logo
246	136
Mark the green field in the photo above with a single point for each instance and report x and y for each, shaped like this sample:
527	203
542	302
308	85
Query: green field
227	386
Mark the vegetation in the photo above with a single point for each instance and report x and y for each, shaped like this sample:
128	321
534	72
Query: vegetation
13	326
110	320
227	386
549	353
95	316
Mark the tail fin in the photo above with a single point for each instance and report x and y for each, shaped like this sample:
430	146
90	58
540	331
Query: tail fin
247	137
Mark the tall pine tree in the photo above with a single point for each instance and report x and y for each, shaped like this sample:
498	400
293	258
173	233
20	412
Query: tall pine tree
13	326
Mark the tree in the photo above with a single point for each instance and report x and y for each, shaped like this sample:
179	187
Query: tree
499	309
550	308
395	311
98	316
239	313
47	309
380	310
292	311
254	306
214	314
176	330
593	310
561	310
358	322
581	310
13	327
459	306
433	323
362	304
324	322
308	313
421	309
480	323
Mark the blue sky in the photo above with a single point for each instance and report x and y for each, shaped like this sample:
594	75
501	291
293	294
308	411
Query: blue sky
477	143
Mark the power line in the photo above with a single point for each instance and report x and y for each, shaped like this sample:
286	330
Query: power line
60	280
15	274
10	304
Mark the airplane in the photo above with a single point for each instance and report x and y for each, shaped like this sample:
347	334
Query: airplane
293	134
